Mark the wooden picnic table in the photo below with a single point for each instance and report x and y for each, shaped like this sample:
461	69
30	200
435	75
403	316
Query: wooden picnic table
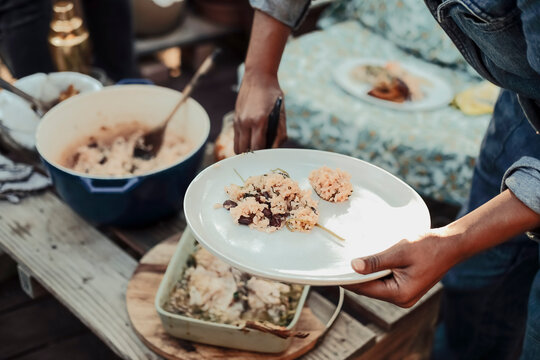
87	269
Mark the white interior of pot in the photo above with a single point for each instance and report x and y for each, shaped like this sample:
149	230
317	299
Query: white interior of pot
84	115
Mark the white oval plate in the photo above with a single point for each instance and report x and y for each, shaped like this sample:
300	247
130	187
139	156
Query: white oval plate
16	114
437	93
382	211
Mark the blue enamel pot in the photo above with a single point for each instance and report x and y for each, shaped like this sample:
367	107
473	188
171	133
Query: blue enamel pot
128	200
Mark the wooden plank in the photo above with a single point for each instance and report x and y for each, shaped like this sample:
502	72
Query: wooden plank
76	264
81	347
382	313
409	339
193	30
346	337
35	325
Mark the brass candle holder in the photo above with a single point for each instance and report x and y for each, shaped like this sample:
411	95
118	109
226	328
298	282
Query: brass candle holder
69	40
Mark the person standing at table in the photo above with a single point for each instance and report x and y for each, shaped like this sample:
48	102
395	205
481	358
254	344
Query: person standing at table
24	28
490	266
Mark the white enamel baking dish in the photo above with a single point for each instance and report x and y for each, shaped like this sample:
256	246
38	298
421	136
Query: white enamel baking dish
209	332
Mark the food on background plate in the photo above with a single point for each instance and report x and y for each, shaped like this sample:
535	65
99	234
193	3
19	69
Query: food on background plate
331	185
270	201
110	152
66	94
224	146
395	90
390	82
70	91
214	291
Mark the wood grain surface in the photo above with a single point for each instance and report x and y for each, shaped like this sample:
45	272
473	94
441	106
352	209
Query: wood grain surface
346	338
382	313
75	263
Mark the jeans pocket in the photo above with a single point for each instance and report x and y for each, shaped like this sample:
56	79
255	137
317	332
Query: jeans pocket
494	14
500	39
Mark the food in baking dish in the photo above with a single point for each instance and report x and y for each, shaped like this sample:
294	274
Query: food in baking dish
212	290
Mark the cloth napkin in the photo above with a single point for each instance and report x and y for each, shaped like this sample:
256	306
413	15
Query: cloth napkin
18	180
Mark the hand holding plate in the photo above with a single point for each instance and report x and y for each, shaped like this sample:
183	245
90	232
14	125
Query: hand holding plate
416	267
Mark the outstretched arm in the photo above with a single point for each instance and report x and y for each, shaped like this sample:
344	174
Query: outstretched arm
419	264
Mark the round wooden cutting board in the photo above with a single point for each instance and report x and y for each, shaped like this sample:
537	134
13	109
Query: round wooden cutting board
141	291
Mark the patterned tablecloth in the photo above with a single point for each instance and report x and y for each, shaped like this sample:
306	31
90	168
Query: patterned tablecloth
433	151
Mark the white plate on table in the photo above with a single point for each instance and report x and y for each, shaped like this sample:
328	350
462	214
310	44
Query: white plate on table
437	92
16	115
381	211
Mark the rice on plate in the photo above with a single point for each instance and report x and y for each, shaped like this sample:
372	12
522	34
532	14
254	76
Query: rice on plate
270	201
331	185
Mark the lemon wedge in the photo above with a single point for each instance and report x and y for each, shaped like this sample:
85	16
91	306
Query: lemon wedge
477	100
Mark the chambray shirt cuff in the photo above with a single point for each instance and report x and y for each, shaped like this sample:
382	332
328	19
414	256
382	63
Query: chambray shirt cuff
523	179
289	12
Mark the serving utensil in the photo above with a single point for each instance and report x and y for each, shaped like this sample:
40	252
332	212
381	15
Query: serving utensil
273	121
39	106
151	141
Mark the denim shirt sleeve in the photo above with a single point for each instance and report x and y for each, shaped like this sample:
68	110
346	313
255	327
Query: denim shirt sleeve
530	17
523	179
289	12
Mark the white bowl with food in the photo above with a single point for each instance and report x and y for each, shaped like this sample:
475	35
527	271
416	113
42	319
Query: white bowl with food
16	114
203	299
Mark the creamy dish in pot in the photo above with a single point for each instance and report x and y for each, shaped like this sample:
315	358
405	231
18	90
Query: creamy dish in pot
110	152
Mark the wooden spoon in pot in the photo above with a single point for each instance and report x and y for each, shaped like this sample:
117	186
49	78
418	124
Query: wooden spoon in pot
151	141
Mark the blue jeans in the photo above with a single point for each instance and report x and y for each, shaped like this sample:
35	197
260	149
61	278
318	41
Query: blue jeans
491	303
